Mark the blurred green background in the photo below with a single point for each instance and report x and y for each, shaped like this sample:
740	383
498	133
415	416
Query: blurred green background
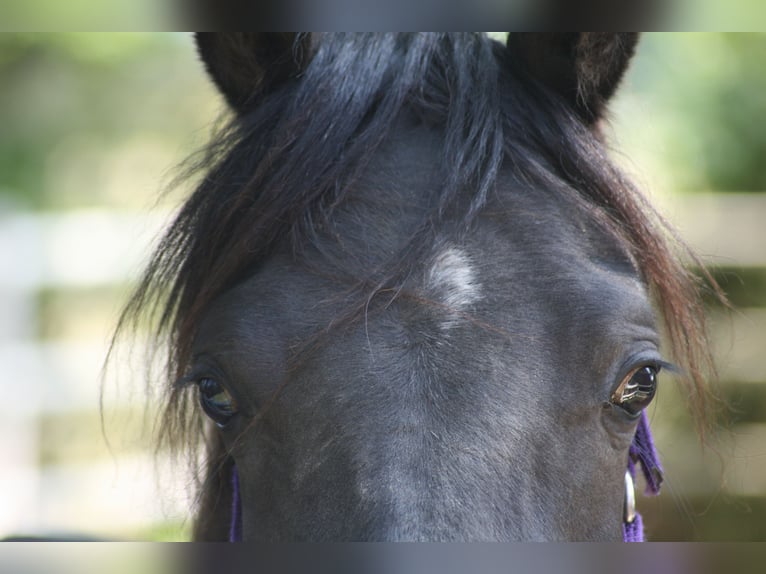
91	127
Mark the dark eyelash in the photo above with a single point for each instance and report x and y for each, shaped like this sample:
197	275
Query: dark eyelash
194	374
667	366
185	381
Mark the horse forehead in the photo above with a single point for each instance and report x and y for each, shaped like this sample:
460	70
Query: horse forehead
485	277
517	276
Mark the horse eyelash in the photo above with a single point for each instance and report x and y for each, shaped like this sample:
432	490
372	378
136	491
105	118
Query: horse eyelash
191	378
199	367
185	381
669	367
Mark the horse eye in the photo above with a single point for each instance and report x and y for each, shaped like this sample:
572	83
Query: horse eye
637	390
216	401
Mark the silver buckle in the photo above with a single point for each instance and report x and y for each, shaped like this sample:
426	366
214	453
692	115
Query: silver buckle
629	511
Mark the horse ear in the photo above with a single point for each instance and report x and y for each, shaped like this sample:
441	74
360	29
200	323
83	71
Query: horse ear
246	65
584	67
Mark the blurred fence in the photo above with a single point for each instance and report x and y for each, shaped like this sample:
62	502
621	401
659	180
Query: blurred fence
718	492
58	473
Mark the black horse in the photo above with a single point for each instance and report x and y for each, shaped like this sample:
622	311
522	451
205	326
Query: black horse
412	296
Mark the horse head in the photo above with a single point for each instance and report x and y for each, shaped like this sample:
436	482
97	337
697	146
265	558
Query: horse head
411	297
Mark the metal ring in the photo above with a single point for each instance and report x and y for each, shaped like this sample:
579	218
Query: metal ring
629	511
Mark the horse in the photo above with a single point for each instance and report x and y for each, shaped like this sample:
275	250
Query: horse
412	298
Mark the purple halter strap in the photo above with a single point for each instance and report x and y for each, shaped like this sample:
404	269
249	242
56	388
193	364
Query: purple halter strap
642	451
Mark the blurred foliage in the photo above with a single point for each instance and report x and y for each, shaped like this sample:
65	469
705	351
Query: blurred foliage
68	438
744	287
702	100
77	313
712	15
700	519
96	119
117	15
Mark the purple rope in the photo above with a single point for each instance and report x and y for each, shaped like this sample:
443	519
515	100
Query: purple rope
235	530
642	451
633	531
